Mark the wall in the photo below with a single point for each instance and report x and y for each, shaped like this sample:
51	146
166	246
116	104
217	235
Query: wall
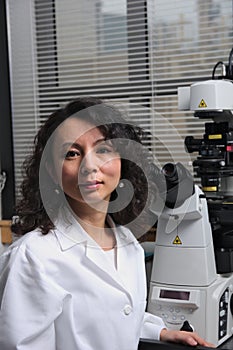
2	247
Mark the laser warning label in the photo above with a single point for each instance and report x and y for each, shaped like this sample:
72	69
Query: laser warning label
177	241
202	104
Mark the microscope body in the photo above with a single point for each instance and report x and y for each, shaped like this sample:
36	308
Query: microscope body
184	283
192	273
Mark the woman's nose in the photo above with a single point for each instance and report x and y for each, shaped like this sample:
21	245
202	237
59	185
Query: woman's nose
89	164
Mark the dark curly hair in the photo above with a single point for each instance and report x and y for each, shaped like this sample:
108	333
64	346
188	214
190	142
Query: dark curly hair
135	167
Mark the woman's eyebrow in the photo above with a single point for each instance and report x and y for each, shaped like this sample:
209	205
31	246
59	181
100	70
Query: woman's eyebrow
67	145
77	145
102	139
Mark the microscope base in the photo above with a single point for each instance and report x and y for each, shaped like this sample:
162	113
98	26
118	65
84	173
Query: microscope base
208	309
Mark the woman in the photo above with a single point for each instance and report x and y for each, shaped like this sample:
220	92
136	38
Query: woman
76	278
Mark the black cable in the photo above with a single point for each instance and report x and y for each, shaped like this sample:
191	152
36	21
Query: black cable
230	63
215	67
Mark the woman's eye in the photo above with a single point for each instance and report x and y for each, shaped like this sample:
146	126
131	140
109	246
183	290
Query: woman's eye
104	150
72	154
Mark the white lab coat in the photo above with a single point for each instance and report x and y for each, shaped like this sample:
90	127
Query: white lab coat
59	291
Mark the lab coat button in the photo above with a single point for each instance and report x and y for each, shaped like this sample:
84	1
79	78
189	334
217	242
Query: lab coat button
127	309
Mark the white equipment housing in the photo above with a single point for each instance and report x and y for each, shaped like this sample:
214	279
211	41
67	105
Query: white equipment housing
210	95
184	283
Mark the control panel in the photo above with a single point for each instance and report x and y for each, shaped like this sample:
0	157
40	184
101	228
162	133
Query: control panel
208	310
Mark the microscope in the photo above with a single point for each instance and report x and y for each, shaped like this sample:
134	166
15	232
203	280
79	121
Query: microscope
191	284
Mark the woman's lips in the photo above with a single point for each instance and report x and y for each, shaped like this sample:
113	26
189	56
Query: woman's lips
91	185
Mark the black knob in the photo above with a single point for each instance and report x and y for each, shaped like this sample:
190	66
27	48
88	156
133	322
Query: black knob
186	327
231	304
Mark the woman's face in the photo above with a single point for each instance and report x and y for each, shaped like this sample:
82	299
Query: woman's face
87	167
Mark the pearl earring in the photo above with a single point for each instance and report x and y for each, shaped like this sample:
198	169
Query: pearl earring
57	191
121	184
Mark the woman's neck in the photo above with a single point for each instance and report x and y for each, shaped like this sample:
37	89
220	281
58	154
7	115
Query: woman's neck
94	223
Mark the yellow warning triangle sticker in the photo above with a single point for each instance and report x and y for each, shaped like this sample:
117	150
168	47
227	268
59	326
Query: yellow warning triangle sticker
177	240
202	104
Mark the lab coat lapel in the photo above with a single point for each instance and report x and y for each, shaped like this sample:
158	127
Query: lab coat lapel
127	261
72	234
97	257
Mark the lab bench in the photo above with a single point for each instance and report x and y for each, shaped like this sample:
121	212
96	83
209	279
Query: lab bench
159	345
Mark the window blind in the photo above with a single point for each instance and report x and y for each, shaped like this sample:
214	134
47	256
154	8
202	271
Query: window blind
133	53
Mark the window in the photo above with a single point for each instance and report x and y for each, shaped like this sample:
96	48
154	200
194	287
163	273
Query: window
132	52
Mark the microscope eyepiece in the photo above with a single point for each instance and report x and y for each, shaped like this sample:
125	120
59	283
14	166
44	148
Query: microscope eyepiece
169	170
179	183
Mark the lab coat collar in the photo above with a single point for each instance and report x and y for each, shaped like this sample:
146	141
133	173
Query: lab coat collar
70	233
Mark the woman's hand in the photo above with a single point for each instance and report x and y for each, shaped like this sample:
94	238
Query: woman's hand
188	338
